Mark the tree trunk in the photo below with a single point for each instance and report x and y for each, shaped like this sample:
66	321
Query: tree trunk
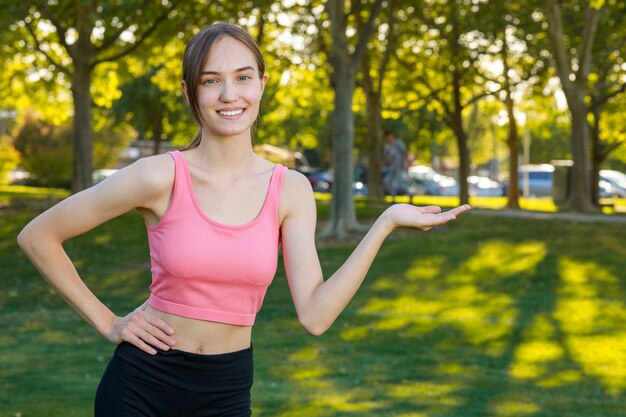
374	140
513	139
596	154
580	199
83	133
374	145
83	53
342	211
461	140
512	142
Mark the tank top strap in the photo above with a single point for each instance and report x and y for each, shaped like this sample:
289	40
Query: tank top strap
180	193
276	188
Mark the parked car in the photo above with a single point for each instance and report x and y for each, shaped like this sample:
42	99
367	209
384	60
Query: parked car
422	180
483	186
322	182
540	179
616	180
443	185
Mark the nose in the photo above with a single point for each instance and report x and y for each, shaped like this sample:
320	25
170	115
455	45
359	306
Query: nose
229	92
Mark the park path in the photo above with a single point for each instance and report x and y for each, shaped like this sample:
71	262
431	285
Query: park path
526	214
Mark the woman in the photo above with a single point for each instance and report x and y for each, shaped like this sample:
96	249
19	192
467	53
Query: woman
216	214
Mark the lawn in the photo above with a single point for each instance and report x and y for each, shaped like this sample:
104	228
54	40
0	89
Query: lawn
481	317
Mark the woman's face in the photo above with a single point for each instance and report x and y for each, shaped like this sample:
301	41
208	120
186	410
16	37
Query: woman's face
229	89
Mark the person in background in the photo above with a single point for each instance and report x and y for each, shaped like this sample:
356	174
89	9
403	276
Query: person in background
395	160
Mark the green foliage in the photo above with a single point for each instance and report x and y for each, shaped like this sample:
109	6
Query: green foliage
9	158
109	142
46	151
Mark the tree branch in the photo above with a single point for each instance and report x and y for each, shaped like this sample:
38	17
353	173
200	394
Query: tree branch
38	46
391	44
555	32
477	97
610	148
589	33
61	30
110	40
137	43
608	96
367	31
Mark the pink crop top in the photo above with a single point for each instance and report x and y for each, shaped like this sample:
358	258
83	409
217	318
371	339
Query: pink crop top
205	270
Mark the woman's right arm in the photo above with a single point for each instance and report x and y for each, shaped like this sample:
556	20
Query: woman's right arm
137	185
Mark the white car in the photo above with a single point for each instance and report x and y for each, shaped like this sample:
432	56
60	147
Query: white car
616	181
537	178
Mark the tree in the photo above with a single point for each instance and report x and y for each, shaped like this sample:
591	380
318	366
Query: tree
441	65
77	36
516	41
573	62
607	83
345	65
371	81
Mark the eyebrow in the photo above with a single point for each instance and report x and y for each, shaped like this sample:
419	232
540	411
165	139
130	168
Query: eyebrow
248	68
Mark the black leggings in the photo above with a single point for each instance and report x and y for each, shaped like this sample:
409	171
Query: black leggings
175	383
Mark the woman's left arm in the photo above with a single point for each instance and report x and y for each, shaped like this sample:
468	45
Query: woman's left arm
318	303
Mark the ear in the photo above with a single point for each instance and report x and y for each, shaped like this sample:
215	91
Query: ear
263	82
183	85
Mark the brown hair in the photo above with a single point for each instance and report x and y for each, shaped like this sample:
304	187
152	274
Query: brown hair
196	53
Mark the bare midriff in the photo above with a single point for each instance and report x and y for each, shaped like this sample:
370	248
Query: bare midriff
205	337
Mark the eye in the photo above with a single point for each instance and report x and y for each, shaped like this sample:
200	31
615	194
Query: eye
245	78
209	81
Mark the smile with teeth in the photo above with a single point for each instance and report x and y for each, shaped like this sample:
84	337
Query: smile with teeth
230	113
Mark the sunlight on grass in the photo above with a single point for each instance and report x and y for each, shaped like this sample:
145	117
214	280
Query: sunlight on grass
469	300
428	391
513	406
495	203
33	191
534	357
305	368
591	313
530	357
355	333
500	259
558	379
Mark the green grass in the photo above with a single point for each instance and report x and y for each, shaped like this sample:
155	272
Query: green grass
481	317
19	194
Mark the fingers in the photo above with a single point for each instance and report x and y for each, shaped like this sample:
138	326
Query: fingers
458	210
160	331
158	323
146	330
142	345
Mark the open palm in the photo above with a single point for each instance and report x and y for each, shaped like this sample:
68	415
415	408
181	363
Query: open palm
422	218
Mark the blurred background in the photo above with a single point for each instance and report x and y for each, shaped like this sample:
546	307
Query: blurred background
479	91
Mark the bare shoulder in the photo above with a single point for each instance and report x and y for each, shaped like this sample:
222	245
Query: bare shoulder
296	184
297	192
156	173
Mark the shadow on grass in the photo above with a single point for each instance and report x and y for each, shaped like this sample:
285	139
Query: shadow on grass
497	324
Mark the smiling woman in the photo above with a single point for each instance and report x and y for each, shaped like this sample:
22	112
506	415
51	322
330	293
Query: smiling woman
216	215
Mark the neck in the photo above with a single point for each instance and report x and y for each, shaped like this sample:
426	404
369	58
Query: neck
232	154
